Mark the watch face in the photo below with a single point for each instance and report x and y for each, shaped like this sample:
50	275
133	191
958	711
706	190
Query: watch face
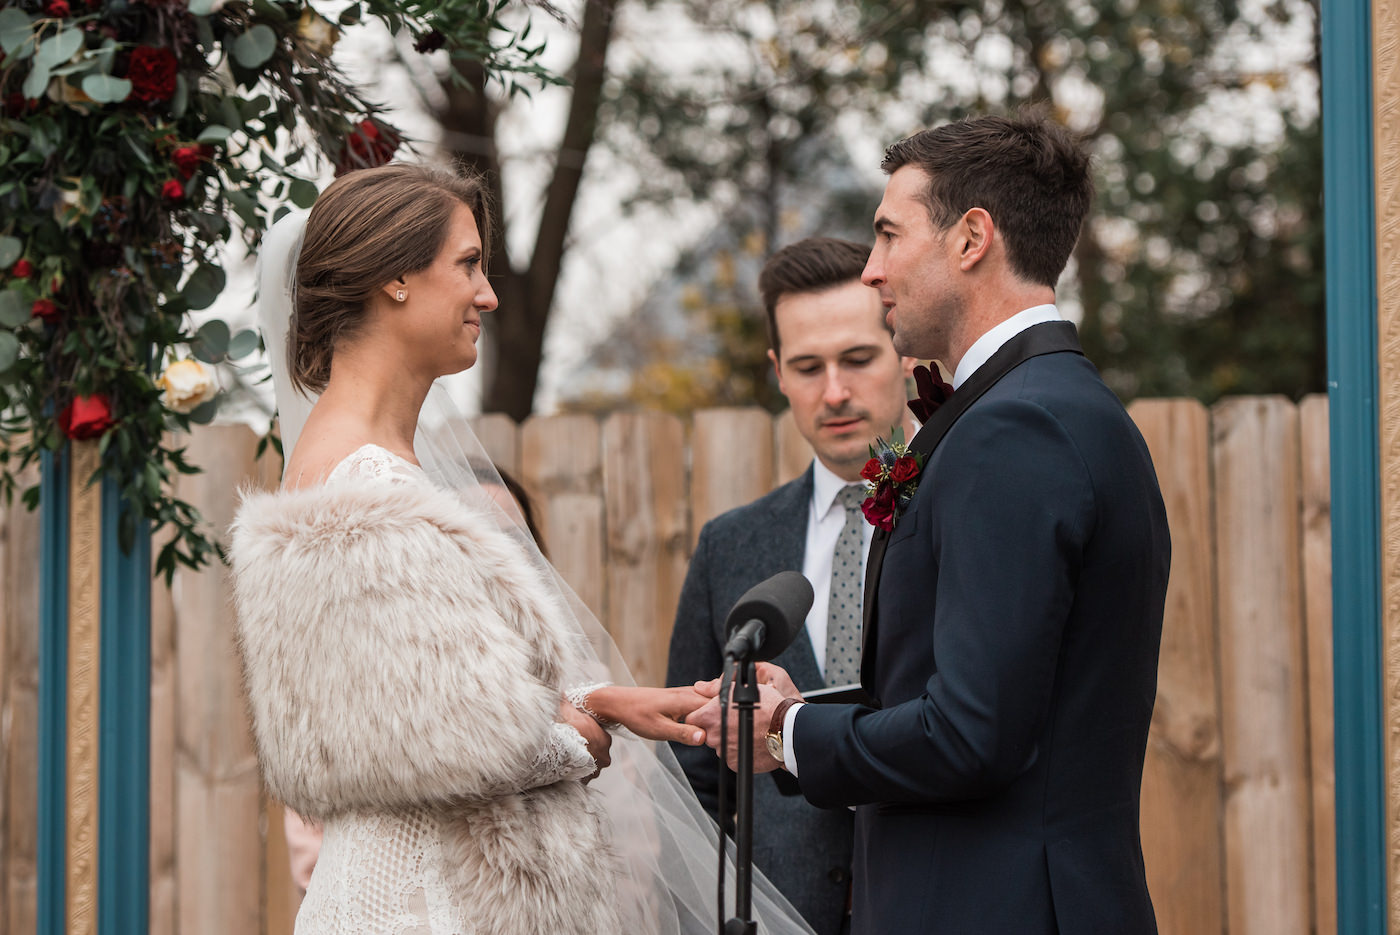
775	746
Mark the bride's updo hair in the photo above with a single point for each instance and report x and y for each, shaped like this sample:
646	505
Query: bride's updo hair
366	229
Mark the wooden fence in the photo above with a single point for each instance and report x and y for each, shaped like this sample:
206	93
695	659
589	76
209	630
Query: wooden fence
1237	795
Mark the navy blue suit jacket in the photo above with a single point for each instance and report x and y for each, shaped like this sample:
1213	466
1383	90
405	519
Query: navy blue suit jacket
804	851
1012	650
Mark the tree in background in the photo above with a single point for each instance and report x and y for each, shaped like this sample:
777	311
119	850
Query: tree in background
1200	271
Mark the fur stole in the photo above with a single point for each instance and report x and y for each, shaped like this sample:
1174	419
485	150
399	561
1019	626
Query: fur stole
400	651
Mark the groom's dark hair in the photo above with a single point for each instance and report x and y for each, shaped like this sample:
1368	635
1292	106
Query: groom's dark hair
1029	173
812	265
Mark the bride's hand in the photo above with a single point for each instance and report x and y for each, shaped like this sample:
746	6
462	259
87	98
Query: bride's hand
653	713
599	741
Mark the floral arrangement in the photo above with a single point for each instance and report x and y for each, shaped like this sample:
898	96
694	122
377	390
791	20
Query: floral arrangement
133	133
892	477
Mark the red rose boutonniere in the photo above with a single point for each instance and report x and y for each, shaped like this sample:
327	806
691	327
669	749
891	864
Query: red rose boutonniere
892	476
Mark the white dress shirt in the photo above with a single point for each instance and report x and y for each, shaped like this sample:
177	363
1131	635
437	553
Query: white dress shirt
825	520
978	354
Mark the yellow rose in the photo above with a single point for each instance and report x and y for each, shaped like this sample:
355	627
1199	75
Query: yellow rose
317	32
187	384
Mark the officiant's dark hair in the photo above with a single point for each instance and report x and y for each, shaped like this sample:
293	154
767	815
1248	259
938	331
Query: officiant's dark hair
812	265
1028	172
368	228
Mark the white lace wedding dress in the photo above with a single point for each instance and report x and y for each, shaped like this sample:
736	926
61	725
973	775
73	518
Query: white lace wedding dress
383	874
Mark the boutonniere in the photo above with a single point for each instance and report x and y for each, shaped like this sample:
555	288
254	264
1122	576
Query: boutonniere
892	476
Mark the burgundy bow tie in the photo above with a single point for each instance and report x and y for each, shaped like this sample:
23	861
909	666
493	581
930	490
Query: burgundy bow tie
933	393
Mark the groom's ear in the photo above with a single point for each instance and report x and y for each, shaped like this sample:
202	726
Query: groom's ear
976	233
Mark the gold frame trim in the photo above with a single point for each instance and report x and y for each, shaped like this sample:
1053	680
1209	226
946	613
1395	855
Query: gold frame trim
84	655
1385	64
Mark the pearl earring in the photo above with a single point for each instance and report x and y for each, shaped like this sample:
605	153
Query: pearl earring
400	295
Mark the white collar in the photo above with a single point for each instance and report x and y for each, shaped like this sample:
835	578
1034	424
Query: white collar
984	347
825	486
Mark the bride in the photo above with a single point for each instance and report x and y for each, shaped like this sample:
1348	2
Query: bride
419	678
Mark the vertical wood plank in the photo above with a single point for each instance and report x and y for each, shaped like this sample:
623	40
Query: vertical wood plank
500	436
164	896
1317	612
1263	686
793	453
644	493
1181	807
283	896
561	466
19	716
731	462
219	848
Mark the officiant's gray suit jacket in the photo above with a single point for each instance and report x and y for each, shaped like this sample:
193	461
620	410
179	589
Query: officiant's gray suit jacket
804	850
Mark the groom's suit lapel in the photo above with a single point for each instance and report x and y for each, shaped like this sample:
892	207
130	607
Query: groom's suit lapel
1048	338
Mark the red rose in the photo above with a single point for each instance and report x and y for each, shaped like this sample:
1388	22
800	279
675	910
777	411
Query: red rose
187	159
172	191
905	469
22	270
86	417
57	8
152	73
45	309
369	145
871	471
878	515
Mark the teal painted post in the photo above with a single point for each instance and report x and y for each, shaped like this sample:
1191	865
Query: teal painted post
1352	387
53	692
123	835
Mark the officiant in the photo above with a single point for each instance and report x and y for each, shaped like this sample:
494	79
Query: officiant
837	366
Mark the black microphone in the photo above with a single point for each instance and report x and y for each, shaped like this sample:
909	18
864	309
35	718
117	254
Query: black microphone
768	617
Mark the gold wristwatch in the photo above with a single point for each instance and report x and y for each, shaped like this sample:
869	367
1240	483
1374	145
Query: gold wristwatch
774	738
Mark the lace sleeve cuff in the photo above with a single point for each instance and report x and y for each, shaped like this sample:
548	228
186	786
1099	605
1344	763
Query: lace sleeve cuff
566	756
578	697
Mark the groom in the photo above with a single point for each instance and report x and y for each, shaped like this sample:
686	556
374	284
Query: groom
1013	615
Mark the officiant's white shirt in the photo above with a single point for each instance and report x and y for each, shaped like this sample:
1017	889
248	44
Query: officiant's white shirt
978	354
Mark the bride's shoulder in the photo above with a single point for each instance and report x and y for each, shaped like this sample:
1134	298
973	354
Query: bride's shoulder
332	461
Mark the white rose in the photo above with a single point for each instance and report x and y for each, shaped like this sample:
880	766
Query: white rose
187	383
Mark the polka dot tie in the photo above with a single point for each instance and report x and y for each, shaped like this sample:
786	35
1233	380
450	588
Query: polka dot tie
847	584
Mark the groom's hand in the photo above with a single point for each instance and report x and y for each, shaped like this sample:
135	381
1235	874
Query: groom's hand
708	718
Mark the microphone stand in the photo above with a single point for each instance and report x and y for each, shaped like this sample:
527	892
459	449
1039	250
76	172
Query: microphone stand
744	696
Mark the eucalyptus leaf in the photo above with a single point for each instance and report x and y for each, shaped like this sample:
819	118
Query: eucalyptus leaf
204	413
12	310
37	83
201	7
213	134
200	291
255	46
242	344
302	193
106	55
351	15
15	30
104	89
9	351
180	102
60	48
10	250
213	334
